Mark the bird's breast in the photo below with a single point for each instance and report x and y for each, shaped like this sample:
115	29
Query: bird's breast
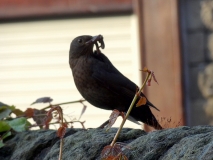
82	74
90	88
84	81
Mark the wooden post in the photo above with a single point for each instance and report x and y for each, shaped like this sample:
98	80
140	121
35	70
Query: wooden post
160	52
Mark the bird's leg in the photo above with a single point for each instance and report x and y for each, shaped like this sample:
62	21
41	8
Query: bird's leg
113	117
122	114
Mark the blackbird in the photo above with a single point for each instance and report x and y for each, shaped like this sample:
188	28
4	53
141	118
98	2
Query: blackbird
101	84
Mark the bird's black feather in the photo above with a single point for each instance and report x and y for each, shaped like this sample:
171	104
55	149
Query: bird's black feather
102	85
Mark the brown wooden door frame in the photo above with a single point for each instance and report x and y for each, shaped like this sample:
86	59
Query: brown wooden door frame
160	52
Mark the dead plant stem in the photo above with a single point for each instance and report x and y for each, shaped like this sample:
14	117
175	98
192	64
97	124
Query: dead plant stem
129	110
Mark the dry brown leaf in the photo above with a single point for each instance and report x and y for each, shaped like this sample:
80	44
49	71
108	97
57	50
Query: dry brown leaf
149	82
150	79
114	152
29	112
40	117
48	119
61	131
153	75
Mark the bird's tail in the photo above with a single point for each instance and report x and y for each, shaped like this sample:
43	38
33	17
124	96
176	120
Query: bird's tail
144	114
154	123
151	105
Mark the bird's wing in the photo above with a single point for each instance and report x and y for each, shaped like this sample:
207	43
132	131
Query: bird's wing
110	78
114	83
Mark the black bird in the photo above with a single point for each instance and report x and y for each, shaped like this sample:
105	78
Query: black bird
101	84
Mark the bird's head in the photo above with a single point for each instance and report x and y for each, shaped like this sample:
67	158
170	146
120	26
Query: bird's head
83	45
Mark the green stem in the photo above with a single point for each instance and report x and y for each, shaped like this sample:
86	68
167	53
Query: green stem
129	110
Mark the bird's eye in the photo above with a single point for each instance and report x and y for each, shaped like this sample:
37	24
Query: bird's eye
80	41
